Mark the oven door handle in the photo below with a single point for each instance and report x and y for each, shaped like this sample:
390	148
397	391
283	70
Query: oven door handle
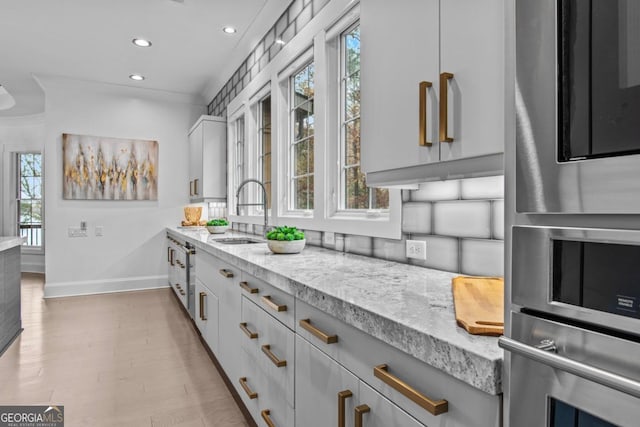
591	373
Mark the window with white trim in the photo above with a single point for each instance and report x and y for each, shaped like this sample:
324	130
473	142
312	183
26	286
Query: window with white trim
240	147
301	139
264	146
29	198
354	193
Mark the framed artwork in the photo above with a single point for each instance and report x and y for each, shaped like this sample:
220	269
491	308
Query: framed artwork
101	168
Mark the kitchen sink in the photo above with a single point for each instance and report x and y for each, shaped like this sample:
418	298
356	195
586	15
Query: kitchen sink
237	241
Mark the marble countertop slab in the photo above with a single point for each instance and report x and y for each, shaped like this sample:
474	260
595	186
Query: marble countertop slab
9	242
408	307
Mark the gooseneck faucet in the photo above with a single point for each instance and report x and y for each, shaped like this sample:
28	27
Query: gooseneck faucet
263	204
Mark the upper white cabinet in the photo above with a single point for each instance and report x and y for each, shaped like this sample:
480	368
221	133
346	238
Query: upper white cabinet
432	88
208	159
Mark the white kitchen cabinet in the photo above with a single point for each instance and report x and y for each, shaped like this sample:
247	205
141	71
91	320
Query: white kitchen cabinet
321	383
207	315
378	411
208	159
426	41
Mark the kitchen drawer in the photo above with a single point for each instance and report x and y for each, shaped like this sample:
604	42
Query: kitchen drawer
260	394
277	303
213	272
206	313
360	353
276	353
251	320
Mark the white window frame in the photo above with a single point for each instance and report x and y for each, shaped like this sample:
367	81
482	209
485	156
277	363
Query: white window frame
27	249
259	147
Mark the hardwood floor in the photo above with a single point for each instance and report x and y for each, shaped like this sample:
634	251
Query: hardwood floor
122	359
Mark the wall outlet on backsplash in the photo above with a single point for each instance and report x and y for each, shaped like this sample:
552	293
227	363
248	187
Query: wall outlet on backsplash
329	238
416	249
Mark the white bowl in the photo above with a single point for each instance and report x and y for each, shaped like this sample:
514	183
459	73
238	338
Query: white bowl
286	246
217	229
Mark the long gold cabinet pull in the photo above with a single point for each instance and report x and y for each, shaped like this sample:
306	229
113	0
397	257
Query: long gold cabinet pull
226	273
266	416
195	187
246	287
250	393
322	336
360	411
203	316
266	349
435	407
169	255
271	304
190	188
444	107
342	397
423	140
245	329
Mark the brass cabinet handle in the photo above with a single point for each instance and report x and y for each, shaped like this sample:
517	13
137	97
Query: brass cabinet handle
266	349
360	411
444	107
226	273
246	287
342	396
423	140
266	417
322	336
251	335
251	394
190	188
435	407
182	292
169	255
203	295
195	187
172	259
271	304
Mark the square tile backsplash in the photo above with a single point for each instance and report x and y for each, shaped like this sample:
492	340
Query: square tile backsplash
462	222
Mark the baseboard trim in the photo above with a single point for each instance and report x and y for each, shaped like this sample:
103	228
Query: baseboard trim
92	287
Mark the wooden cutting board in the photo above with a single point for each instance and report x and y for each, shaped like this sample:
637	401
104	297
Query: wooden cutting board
479	304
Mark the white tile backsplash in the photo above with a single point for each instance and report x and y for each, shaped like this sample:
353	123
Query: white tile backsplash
442	253
462	219
361	245
416	218
481	257
393	250
436	190
497	214
490	187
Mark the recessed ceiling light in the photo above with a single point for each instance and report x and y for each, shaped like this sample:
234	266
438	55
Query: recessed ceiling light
229	30
136	77
141	42
280	41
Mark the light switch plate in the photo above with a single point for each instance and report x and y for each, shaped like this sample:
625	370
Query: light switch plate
99	230
416	249
76	232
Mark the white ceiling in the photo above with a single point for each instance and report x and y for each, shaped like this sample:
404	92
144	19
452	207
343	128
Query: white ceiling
91	40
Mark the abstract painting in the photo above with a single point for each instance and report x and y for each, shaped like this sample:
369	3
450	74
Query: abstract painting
100	168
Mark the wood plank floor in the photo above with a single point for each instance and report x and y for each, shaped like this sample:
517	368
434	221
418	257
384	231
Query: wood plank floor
122	359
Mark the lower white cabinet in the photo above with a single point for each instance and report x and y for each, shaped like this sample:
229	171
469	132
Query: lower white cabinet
375	410
207	315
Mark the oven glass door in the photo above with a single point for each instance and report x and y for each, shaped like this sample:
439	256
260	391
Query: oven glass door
599	78
577	105
590	377
590	275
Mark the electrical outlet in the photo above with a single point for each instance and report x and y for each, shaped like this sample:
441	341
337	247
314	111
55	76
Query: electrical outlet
329	238
416	249
99	230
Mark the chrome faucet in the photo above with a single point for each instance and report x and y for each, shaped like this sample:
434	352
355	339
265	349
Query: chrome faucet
263	204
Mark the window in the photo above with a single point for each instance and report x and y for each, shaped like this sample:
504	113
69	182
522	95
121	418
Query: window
354	191
29	198
264	146
301	149
239	143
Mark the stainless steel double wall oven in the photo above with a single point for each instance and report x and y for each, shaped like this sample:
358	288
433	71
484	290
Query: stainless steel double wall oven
574	321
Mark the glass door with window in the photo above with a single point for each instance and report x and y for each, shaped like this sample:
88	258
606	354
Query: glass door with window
29	198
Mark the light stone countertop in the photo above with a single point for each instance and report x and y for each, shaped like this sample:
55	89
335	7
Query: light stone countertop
9	242
408	307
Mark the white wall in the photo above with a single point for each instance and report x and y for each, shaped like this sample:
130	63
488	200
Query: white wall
18	134
131	254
